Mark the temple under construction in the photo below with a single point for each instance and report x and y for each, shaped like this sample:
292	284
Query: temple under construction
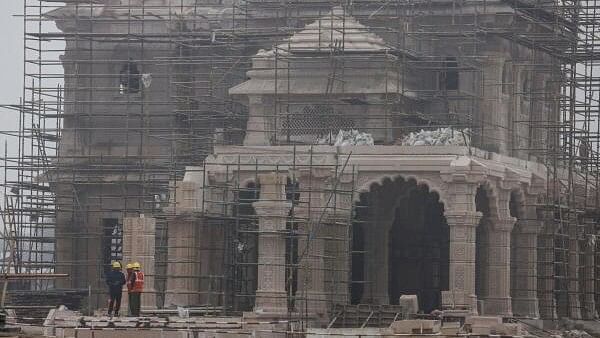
304	159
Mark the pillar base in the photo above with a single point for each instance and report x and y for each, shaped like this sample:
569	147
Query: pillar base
589	310
312	304
459	300
266	324
526	307
574	307
149	300
271	302
179	297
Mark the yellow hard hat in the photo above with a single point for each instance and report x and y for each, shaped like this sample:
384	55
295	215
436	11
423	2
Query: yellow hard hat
116	265
129	266
136	265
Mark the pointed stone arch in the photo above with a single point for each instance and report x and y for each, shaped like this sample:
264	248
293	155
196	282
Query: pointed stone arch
392	211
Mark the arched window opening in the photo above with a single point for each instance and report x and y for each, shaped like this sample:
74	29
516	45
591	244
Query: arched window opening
449	79
129	78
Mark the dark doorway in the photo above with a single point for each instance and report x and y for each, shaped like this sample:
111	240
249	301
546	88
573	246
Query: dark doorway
246	248
112	242
418	262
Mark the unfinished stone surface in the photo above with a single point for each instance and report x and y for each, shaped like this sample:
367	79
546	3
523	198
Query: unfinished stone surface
410	303
139	236
483	325
183	269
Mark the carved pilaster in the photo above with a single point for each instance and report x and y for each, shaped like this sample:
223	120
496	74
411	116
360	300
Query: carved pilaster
258	131
589	274
524	258
312	213
547	302
524	268
497	300
573	266
377	257
272	211
183	267
139	235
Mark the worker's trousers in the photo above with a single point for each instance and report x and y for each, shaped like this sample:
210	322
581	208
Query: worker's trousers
135	303
114	302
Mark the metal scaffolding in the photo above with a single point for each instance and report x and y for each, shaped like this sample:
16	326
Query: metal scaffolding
145	96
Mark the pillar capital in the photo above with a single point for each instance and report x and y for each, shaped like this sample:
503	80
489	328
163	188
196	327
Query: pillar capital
462	218
272	208
272	185
530	226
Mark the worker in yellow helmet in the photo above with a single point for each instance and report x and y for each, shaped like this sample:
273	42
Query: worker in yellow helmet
129	271
115	279
137	287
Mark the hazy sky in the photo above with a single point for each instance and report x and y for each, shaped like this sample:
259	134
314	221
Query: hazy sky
11	59
11	63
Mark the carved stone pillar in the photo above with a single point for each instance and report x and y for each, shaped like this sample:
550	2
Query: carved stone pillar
461	293
272	211
258	129
573	266
311	295
524	285
547	302
589	282
377	262
497	300
183	264
139	246
462	219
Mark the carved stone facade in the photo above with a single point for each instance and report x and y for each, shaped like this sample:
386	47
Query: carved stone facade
450	172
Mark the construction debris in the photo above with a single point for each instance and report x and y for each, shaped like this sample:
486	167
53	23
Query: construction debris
348	138
438	137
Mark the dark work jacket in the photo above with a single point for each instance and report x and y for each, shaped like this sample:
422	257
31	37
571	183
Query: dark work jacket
115	280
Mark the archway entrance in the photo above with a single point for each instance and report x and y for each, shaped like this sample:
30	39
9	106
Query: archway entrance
400	245
419	249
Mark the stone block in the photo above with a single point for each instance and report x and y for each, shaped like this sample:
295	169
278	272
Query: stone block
484	320
416	326
482	325
409	304
64	332
508	329
369	332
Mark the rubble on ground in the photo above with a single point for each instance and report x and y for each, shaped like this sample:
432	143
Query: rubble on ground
347	138
438	137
